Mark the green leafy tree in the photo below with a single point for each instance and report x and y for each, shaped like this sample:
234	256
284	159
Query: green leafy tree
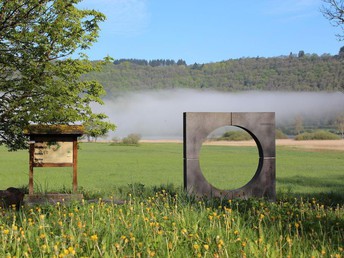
298	124
95	127
39	82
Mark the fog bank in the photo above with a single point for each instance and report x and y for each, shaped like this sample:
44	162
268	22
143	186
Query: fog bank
159	114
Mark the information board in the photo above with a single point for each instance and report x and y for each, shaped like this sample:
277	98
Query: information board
53	152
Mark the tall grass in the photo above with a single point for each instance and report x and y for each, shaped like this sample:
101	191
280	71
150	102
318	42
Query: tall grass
173	225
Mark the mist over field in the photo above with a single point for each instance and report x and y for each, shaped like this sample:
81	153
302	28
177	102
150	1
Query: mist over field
159	114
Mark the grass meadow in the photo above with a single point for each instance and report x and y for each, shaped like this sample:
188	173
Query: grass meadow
159	220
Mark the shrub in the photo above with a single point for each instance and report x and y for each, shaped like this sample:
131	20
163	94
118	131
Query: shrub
280	135
317	135
235	136
131	139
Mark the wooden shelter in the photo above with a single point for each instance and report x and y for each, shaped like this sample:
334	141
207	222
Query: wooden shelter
53	146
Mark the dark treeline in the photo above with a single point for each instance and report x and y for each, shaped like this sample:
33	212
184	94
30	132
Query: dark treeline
301	72
153	63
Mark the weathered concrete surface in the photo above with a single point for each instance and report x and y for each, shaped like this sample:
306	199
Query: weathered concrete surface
260	125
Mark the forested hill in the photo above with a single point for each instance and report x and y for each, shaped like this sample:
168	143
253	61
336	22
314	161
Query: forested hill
286	73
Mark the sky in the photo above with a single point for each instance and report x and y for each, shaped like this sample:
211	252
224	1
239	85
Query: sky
204	31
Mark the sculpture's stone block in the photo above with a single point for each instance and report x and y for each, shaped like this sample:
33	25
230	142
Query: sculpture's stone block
260	125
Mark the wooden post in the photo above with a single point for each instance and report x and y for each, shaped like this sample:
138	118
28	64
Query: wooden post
31	161
75	168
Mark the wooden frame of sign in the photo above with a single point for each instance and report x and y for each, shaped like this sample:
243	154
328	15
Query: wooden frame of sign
53	146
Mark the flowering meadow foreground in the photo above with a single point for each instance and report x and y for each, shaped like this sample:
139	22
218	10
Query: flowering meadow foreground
171	224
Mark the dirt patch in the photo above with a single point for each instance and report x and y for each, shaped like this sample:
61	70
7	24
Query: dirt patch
311	145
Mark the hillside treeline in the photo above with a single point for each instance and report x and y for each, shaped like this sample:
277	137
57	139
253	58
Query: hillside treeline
286	73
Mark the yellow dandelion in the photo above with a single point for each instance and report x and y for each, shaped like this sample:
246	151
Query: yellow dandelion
206	247
6	231
289	240
151	253
196	247
94	237
71	250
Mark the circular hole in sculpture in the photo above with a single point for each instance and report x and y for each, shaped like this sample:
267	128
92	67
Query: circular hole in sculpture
229	158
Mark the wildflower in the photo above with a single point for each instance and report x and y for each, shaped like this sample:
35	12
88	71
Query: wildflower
6	231
94	237
206	247
196	247
151	253
80	224
118	247
71	250
289	240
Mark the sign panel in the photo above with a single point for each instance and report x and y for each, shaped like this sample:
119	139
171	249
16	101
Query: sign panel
53	152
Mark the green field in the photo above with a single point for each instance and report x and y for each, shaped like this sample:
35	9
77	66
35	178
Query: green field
162	221
102	167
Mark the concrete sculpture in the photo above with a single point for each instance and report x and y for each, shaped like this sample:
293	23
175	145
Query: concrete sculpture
260	125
